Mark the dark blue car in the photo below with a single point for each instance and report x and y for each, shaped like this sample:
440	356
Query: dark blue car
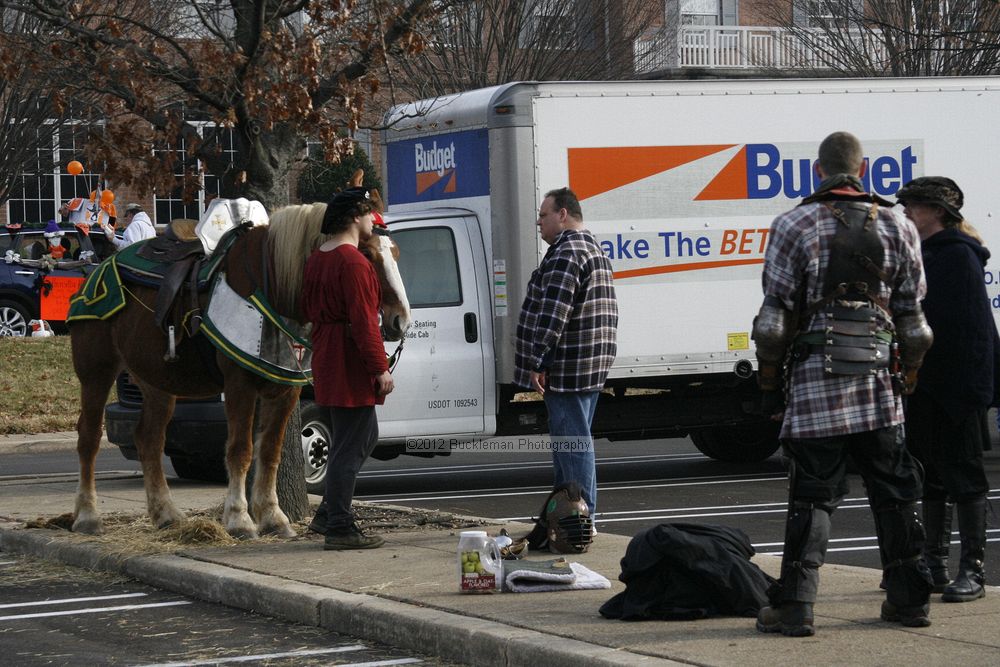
28	292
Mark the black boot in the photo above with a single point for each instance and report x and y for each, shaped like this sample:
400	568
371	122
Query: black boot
971	577
908	581
937	523
318	523
807	532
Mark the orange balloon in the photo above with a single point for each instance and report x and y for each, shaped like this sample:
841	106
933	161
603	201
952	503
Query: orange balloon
93	195
74	168
107	197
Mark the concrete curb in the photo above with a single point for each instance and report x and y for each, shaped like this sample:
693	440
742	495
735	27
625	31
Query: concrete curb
21	443
446	635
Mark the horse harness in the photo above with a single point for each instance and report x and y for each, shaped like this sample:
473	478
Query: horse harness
181	265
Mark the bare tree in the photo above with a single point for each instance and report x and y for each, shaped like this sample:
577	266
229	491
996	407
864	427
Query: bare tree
479	43
270	72
894	37
33	110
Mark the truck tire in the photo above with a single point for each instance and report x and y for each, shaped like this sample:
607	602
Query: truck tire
317	435
738	443
202	470
13	319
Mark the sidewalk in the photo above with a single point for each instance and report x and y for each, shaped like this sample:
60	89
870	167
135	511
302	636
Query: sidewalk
405	594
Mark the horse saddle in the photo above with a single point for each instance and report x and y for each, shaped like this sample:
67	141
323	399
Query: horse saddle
173	264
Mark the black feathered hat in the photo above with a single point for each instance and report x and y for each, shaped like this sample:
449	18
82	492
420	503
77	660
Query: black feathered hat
342	203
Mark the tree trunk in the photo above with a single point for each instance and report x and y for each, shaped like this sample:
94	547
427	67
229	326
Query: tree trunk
291	483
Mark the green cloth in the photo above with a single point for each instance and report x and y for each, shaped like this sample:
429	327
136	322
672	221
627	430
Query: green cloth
101	295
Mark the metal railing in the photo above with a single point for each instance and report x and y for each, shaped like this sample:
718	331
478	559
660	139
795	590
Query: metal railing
735	47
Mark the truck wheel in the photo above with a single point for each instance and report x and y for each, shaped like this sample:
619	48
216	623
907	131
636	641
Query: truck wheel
316	439
13	319
199	469
738	443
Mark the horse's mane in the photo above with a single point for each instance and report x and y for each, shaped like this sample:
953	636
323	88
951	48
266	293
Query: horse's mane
294	233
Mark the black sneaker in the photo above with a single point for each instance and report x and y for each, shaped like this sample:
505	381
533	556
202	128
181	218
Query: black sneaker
350	538
792	619
911	617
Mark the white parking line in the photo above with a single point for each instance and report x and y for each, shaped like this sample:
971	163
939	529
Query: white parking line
265	656
42	603
94	610
466	494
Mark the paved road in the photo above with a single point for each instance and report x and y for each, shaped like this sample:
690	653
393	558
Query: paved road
51	614
641	484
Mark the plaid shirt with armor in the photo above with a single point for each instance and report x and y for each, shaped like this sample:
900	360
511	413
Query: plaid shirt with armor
819	404
569	319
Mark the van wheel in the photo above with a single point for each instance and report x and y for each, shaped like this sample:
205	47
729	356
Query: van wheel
738	443
13	319
317	436
200	469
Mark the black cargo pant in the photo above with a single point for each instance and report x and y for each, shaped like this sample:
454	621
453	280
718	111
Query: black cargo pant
355	432
818	484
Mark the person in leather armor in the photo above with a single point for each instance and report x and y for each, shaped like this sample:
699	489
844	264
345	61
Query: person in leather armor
839	338
946	422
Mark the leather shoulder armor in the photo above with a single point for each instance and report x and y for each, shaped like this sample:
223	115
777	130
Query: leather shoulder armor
856	252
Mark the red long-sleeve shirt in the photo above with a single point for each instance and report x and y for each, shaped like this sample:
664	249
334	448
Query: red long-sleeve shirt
341	296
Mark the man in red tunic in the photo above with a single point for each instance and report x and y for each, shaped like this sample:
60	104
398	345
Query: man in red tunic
341	296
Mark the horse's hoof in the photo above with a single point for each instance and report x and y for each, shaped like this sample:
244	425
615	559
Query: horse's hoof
281	530
243	533
168	523
90	526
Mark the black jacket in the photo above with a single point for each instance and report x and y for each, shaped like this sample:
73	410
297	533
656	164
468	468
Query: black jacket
960	371
682	571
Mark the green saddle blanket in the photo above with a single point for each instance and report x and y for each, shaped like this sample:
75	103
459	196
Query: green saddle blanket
102	295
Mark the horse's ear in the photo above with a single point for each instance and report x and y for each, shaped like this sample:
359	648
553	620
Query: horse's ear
377	201
357	178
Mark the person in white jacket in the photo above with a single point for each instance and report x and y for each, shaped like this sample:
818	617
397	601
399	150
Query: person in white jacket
138	226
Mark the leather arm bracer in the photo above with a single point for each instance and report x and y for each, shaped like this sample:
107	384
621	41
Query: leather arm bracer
772	333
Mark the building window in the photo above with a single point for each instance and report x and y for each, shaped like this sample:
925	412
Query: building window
458	25
699	12
550	24
172	205
44	184
827	13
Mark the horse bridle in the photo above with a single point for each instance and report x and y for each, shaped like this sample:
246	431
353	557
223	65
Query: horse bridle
393	358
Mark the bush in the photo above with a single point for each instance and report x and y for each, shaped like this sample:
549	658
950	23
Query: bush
319	180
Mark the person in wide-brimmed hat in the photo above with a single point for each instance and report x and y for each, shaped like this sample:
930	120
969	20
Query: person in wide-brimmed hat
946	416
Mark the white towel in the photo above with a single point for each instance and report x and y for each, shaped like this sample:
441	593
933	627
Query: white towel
532	581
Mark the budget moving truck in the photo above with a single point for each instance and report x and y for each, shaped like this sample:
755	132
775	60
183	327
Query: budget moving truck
679	182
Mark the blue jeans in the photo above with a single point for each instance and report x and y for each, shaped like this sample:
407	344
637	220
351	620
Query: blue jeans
570	417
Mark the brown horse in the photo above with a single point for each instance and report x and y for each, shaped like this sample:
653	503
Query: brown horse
131	341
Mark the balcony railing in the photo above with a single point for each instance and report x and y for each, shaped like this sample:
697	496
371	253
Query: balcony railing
734	47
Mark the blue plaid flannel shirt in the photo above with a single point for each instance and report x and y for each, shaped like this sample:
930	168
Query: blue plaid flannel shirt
569	319
822	405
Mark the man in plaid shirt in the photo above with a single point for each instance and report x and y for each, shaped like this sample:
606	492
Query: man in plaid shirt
567	336
842	281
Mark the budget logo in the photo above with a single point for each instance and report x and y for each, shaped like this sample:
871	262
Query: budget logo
688	176
433	164
453	165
